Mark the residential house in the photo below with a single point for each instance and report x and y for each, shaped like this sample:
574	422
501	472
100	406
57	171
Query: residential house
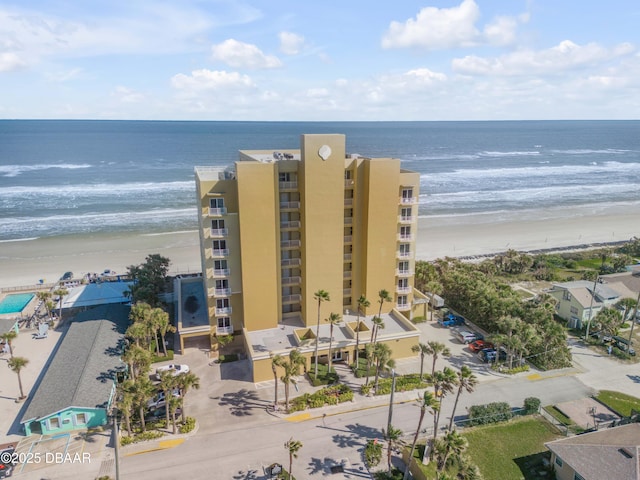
577	303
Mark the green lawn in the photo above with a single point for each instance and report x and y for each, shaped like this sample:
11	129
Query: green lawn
504	451
619	402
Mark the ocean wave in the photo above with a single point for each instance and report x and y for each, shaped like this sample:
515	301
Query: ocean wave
510	154
100	189
586	151
19	239
15	170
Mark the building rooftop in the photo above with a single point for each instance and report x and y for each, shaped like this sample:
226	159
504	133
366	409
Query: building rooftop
608	453
82	370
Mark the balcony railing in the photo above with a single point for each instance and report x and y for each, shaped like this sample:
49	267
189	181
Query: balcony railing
404	273
348	202
288	185
219	232
214	212
221	272
290	224
291	262
289	243
403	307
400	289
291	280
404	254
406	218
220	292
289	205
346	274
408	200
292	316
291	298
347	257
348	182
224	330
405	236
348	239
348	220
346	292
223	311
219	252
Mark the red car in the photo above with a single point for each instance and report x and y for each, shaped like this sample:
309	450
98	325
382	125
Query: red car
479	345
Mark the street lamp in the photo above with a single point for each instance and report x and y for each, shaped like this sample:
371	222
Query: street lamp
393	389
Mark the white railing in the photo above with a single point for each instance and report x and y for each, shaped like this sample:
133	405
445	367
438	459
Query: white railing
404	254
346	274
403	289
292	315
408	200
213	212
348	239
403	307
220	292
224	330
404	273
291	298
290	224
348	202
347	257
405	236
219	232
289	243
291	280
348	220
288	185
285	205
223	310
221	272
348	182
405	218
219	252
291	262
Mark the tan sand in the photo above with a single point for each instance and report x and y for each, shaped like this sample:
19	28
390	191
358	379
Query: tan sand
24	263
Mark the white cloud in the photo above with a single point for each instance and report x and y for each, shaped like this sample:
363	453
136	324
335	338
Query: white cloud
64	76
290	43
564	56
10	61
127	95
243	55
210	80
502	31
318	93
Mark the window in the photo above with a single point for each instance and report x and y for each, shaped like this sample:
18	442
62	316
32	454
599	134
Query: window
402	299
284	177
347	175
219	244
403	267
222	303
217	224
574	310
81	418
567	295
217	202
405	250
558	461
406	212
407	194
405	232
220	264
222	284
577	476
54	422
403	283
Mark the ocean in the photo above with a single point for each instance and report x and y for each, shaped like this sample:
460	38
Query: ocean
71	177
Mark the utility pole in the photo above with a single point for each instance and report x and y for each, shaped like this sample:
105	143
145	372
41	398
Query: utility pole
593	294
116	442
393	389
633	319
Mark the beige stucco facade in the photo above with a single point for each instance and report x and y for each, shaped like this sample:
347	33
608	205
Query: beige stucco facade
278	226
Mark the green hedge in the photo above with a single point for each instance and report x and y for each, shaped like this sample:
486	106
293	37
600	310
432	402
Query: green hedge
361	370
188	425
327	396
490	413
404	383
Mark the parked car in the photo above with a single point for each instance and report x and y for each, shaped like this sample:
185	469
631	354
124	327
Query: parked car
488	355
159	413
451	320
478	345
623	344
67	276
175	370
160	401
465	336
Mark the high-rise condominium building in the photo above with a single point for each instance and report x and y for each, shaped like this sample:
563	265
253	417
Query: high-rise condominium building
282	225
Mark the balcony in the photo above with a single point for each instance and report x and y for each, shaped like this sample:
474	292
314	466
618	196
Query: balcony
408	200
223	311
291	280
405	237
224	330
219	232
348	220
221	272
406	218
219	252
348	239
400	289
346	292
346	274
348	202
404	254
294	316
290	224
291	298
288	185
289	205
348	183
290	244
404	273
219	292
290	262
347	257
403	307
216	212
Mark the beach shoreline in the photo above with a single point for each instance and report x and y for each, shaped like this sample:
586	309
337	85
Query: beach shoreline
462	236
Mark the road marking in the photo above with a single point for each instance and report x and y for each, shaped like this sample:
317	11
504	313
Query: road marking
162	445
299	418
534	376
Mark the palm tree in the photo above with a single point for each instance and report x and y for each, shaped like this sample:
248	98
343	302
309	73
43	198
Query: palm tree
276	361
443	383
137	331
452	443
423	350
382	354
466	381
164	326
320	296
185	382
125	402
16	364
291	371
383	296
138	359
368	350
334	319
428	401
393	436
8	338
60	292
44	297
142	390
378	323
363	304
292	446
173	404
168	382
435	350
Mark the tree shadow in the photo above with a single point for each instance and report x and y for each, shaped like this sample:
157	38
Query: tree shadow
354	435
634	378
242	403
535	466
248	475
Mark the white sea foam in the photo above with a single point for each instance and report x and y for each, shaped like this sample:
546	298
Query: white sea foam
19	239
510	154
100	189
15	170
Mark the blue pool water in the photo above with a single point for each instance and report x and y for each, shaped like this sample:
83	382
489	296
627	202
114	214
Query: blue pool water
15	303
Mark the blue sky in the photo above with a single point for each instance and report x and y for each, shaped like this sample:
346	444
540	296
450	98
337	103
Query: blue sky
330	60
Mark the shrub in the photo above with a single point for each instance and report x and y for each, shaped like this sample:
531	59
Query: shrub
231	357
365	389
188	425
124	441
373	453
490	413
419	319
531	405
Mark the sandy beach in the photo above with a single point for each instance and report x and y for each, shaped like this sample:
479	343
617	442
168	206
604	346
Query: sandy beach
26	262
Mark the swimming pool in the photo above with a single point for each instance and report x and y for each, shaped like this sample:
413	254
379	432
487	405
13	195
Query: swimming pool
15	303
